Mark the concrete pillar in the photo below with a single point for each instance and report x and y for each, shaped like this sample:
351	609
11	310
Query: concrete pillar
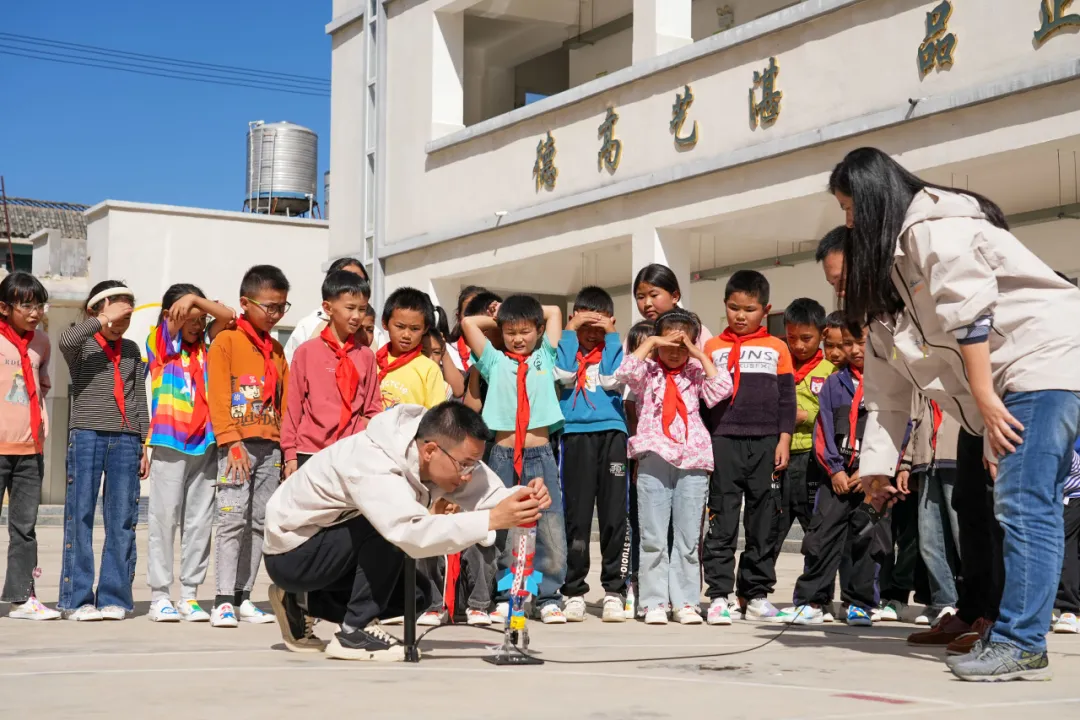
665	247
660	26
447	73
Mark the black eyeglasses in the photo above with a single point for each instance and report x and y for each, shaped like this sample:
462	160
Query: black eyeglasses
463	469
273	308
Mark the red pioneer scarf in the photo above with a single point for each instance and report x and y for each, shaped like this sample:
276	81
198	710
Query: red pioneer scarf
674	405
583	362
808	367
265	345
345	373
112	351
521	420
22	344
383	356
853	415
935	412
463	352
733	364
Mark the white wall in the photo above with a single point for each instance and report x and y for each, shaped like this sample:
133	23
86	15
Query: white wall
151	247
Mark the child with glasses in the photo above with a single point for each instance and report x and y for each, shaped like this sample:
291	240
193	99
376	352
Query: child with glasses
24	382
247	380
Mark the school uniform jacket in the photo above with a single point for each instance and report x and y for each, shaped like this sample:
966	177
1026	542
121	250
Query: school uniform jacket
834	447
955	270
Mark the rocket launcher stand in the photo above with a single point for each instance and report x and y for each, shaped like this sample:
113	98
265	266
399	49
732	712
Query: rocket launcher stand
521	583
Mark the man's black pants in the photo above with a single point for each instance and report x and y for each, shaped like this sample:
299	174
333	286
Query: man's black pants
982	564
351	574
743	468
1068	597
798	487
832	543
594	473
897	576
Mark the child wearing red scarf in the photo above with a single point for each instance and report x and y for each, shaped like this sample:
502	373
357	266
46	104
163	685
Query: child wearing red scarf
333	382
751	447
804	323
593	452
107	428
674	458
406	376
834	528
24	382
522	409
183	464
247	380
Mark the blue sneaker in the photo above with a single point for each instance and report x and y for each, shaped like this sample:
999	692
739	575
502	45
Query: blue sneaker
857	617
999	662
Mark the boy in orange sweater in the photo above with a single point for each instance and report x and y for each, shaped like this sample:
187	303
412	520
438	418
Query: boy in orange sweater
248	376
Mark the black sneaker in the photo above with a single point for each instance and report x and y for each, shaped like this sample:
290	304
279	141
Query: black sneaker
297	629
372	643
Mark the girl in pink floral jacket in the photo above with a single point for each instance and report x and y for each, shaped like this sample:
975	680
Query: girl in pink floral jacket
674	454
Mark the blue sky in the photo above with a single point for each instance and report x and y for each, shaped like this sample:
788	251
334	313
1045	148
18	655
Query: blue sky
79	134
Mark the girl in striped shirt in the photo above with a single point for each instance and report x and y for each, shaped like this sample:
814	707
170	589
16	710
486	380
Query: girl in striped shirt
184	462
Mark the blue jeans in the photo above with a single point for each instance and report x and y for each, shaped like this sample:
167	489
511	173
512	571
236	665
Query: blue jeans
667	495
939	535
1027	504
550	531
90	454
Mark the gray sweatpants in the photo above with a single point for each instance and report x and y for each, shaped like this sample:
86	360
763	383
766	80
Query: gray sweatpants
181	497
241	513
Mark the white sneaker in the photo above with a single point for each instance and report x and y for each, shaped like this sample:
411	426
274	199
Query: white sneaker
162	610
477	617
656	616
33	609
191	612
113	612
87	613
828	617
614	609
432	618
689	615
224	616
760	609
574	609
249	613
892	611
501	611
399	620
630	606
552	614
875	615
719	612
801	615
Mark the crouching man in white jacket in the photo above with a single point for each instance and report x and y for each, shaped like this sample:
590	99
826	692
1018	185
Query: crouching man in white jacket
338	529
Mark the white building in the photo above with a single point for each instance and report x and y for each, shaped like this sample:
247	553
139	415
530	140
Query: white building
440	109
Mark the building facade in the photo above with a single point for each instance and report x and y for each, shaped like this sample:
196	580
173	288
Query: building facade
542	145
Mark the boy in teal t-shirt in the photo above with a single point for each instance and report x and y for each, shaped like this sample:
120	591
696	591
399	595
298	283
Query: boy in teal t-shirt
522	409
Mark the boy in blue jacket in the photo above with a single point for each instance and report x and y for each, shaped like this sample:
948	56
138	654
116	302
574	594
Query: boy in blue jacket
593	452
834	527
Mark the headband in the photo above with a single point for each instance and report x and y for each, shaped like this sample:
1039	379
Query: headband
110	292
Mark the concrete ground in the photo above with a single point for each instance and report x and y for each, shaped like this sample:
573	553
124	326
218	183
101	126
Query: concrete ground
141	669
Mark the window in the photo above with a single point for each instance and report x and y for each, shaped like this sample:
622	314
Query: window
530	98
775	325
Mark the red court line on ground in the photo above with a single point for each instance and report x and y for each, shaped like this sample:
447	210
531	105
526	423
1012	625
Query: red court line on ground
875	698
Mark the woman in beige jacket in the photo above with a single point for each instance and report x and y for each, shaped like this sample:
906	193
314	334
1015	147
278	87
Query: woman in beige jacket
961	311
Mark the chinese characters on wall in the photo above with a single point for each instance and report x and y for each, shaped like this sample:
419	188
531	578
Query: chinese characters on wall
937	50
766	112
939	45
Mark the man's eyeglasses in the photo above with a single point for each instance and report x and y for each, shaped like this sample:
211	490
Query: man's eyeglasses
273	308
463	470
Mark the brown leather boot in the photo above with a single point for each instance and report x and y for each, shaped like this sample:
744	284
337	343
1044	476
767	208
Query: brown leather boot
950	628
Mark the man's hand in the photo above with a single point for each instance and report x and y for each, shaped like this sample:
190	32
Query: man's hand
840	483
879	491
144	465
1002	429
902	479
290	468
540	492
443	506
521	508
237	465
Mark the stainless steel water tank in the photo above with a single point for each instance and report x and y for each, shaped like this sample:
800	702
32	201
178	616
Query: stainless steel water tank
282	168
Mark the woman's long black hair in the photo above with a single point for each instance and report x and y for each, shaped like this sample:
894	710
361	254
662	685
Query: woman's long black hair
881	191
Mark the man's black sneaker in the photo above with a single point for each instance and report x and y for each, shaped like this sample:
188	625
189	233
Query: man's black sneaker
372	644
297	629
